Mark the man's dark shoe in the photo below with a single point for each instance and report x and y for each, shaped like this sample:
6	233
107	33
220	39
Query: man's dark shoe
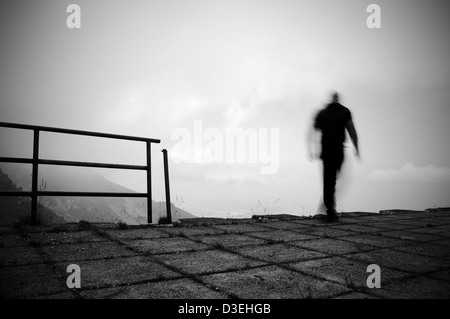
332	216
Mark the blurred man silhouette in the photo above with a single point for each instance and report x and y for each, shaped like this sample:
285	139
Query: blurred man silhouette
332	121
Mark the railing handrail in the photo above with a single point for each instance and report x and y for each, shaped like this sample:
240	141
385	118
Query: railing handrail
35	161
78	132
40	161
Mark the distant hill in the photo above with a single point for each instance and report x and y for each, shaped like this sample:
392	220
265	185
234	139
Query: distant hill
92	209
18	209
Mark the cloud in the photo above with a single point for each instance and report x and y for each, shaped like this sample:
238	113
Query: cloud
129	109
237	113
234	179
233	174
185	107
411	173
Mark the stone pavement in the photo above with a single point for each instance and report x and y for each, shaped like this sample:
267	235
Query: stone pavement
280	256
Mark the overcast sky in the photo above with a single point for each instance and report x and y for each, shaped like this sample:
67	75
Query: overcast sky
148	68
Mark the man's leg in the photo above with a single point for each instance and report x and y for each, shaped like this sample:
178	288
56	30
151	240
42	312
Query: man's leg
332	163
329	185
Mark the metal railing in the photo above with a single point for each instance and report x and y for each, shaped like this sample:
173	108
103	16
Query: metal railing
35	161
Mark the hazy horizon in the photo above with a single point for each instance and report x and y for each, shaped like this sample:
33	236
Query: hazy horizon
155	68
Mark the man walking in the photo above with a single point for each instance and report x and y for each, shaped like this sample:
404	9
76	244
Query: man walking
332	121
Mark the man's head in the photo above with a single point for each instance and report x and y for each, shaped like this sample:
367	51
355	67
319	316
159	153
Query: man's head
335	97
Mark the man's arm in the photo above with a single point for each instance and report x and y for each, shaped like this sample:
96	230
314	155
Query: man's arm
313	140
353	135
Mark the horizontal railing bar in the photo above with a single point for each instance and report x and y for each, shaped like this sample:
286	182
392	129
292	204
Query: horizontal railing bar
74	194
24	194
90	164
16	160
72	163
78	132
90	194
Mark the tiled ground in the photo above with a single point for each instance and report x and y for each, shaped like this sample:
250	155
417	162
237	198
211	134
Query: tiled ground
280	256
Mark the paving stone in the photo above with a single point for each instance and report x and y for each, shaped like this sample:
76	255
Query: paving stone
376	240
441	274
193	231
230	240
332	246
349	220
444	234
241	228
20	255
7	230
165	245
273	282
350	273
356	295
445	227
428	249
400	260
171	289
46	238
374	219
235	221
213	221
408	235
324	232
417	216
417	288
12	240
128	270
63	295
413	223
85	251
405	212
282	236
399	217
313	222
358	228
431	230
278	253
140	233
285	217
208	261
393	226
442	242
285	225
435	221
29	281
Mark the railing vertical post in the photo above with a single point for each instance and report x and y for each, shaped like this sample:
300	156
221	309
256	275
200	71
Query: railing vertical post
34	178
166	179
149	183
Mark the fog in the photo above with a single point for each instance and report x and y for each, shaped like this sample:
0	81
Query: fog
150	68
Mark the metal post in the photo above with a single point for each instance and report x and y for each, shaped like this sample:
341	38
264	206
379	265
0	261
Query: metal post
34	178
149	183
166	179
